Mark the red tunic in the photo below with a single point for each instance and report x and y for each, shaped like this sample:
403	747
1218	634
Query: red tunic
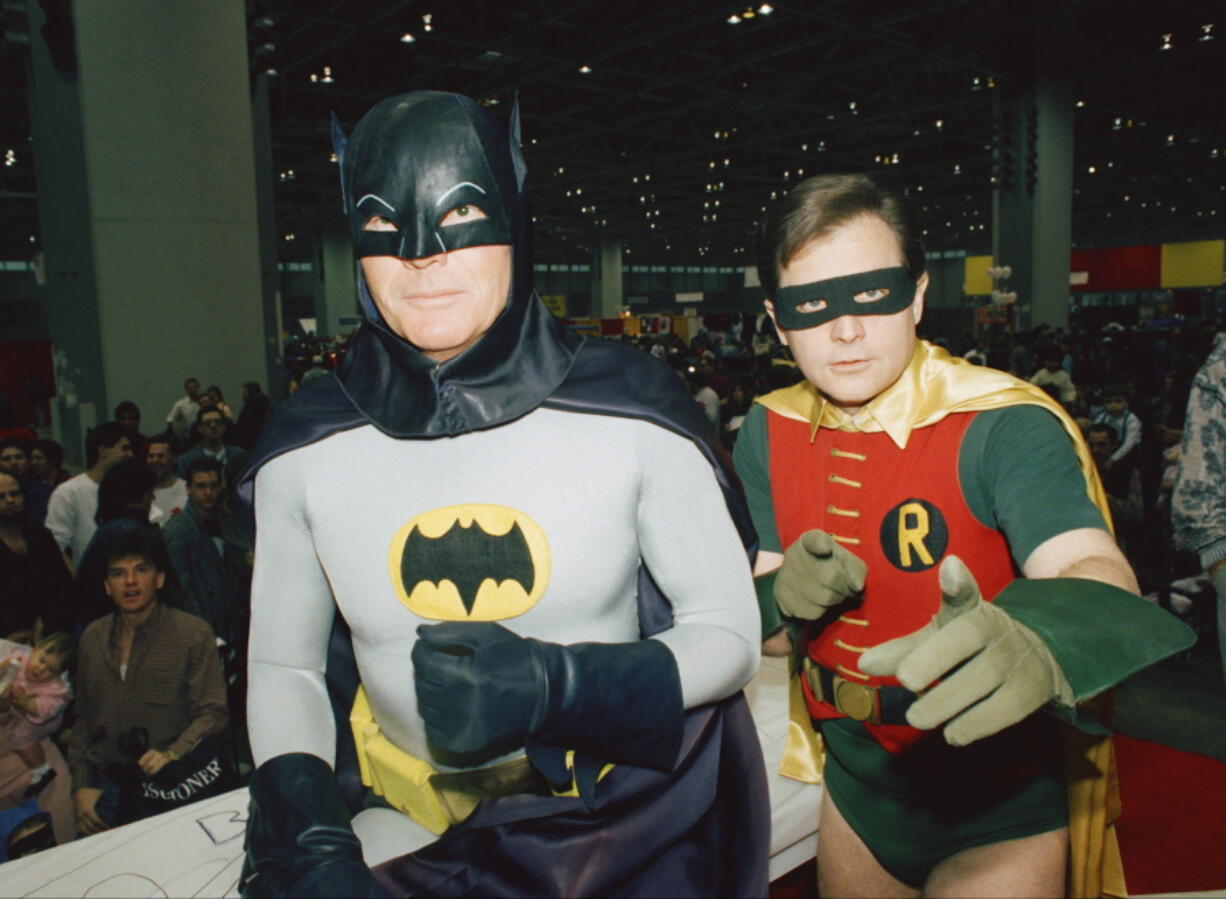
901	511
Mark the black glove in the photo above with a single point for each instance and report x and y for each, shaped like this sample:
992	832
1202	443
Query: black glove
299	841
482	689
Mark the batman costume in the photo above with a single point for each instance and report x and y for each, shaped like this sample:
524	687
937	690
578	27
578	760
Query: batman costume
573	726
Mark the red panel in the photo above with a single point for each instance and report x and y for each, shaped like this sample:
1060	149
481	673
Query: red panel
1119	268
611	327
26	381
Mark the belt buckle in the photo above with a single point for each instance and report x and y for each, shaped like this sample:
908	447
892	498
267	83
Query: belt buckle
857	701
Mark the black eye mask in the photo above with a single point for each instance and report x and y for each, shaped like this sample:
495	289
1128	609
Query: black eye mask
839	296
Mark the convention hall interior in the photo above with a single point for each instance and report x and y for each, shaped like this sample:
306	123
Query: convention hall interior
170	209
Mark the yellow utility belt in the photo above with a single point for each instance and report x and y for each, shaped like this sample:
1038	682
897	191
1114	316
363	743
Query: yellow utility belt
438	799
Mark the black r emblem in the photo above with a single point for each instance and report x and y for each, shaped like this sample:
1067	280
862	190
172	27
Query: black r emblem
913	535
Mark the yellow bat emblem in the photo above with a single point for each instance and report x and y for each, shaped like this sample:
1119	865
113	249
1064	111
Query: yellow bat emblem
472	562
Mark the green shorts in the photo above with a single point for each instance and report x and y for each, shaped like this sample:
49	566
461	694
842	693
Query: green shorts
916	809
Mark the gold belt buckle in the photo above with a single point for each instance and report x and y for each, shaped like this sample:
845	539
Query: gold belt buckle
857	701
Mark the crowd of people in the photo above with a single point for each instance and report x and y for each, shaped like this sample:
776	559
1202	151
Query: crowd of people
126	594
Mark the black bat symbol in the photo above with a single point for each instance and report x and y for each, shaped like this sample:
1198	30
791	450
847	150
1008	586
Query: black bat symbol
466	556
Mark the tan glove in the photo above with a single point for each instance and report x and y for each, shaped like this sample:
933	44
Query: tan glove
1010	672
816	574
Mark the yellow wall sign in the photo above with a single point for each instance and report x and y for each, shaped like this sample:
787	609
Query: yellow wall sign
976	281
555	303
1197	263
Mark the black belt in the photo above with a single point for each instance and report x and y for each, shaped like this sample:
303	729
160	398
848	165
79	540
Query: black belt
860	702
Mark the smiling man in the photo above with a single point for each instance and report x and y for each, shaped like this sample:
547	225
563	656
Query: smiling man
543	607
874	484
146	667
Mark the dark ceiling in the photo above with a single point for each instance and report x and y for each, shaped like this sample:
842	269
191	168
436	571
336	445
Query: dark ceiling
686	124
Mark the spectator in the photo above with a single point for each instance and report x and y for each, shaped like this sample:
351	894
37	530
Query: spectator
1021	365
1052	373
169	490
14	457
47	463
212	426
213	397
210	550
1122	482
148	671
252	416
183	413
127	414
35	581
1198	504
703	395
124	501
32	706
74	504
1127	426
977	354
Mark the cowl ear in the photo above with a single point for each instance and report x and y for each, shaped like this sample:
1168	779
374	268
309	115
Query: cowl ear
339	140
517	155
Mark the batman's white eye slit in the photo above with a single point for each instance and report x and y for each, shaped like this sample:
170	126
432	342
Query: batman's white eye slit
379	223
810	306
465	212
872	295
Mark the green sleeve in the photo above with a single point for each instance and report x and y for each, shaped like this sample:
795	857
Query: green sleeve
1019	474
751	456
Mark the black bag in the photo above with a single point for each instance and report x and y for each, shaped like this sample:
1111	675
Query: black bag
201	773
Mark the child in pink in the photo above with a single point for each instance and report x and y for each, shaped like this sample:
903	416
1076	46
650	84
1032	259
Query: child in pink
33	695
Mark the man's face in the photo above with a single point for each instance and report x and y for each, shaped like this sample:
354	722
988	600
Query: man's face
129	420
204	490
13	460
110	455
1115	405
852	358
212	426
132	583
12	503
38	467
1101	446
192	386
442	304
160	459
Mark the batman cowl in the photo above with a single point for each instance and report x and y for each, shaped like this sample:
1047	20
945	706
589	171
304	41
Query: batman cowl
409	160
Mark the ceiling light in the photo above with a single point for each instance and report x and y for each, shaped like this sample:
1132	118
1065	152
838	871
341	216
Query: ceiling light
332	157
734	19
407	38
1166	42
1081	104
426	20
1170	140
1118	124
327	79
585	70
1206	33
939	124
766	9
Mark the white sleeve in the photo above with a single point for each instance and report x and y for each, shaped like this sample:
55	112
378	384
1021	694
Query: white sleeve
61	518
292	608
691	548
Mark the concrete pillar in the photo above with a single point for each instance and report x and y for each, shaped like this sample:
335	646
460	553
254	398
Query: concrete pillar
1032	205
336	291
607	296
143	143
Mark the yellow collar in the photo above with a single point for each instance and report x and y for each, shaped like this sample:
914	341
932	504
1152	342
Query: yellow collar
932	386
